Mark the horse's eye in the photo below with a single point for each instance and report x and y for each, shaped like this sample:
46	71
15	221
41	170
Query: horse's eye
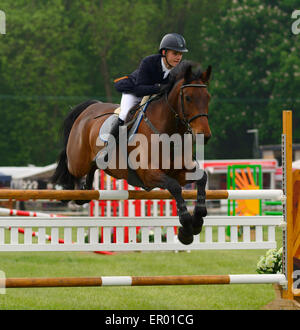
188	98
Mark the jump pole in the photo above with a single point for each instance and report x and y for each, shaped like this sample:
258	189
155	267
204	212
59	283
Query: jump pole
12	212
141	280
135	194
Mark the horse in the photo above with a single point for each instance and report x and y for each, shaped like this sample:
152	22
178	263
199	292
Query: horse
181	108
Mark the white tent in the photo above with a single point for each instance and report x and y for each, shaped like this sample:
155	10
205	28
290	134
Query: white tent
28	172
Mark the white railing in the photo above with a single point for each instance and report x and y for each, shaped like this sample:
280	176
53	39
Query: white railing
73	232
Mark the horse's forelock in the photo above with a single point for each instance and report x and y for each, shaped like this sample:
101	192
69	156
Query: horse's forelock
179	72
181	69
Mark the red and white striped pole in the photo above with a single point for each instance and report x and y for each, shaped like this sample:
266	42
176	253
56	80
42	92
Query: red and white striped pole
12	212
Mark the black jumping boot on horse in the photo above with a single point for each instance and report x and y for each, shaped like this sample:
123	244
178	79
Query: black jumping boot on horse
114	134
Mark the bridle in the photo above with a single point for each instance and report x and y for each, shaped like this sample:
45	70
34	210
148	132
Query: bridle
186	121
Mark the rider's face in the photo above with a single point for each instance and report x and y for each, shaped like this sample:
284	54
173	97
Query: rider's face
173	57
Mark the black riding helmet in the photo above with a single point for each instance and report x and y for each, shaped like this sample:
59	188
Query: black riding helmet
173	41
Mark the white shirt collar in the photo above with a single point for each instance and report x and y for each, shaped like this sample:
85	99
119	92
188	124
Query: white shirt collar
164	68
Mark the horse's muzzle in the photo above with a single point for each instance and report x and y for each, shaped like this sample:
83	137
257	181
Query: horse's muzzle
206	138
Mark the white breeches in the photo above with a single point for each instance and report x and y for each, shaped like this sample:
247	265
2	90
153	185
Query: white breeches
127	102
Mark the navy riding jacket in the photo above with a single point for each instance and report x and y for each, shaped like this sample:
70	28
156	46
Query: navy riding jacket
146	79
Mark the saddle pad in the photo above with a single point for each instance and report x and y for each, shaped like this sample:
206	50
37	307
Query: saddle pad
117	111
144	100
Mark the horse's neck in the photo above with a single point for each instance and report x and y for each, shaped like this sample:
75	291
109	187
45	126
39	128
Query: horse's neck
162	117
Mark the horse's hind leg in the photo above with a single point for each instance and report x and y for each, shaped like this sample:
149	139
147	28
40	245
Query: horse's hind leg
185	233
200	210
88	184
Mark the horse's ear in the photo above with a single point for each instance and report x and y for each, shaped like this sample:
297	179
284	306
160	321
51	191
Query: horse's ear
206	75
188	74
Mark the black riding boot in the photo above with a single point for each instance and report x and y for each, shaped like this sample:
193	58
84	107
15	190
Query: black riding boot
102	156
114	131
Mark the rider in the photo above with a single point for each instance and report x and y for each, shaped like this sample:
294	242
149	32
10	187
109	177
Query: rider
150	77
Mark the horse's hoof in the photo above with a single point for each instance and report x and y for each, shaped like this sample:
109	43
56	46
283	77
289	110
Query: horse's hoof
200	210
185	219
184	237
197	225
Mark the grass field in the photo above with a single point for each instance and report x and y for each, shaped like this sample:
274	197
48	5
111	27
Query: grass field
56	264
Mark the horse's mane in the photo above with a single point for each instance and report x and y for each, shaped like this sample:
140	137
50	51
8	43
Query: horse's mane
181	69
180	72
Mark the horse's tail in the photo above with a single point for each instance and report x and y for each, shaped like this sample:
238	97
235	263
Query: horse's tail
62	176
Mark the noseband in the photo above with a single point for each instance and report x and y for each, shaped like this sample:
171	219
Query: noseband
185	120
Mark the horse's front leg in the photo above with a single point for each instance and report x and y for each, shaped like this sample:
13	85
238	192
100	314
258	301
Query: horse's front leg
185	233
200	210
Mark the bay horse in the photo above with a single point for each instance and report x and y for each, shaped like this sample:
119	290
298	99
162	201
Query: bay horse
181	108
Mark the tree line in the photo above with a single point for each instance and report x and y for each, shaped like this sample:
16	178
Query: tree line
56	54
